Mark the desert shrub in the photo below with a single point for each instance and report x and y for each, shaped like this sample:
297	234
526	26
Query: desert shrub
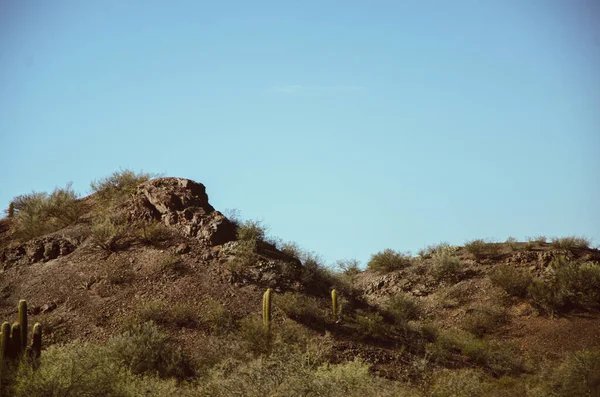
314	276
116	188
445	266
183	315
118	273
245	257
251	231
172	264
292	249
402	308
254	335
214	316
428	251
286	375
460	382
512	243
349	267
571	242
145	350
39	213
153	311
110	234
75	369
484	320
567	285
481	249
496	357
512	280
151	232
299	307
578	375
537	239
370	324
388	261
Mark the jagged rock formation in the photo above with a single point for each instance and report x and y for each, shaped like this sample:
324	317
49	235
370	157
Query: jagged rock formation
183	204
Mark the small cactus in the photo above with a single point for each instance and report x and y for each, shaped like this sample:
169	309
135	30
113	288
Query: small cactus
267	309
23	321
334	303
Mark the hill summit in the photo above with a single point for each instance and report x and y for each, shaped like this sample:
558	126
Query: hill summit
146	274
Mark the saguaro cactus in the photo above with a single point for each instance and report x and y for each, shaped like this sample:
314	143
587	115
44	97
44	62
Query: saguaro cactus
11	210
13	339
36	343
334	303
267	309
23	321
5	341
16	345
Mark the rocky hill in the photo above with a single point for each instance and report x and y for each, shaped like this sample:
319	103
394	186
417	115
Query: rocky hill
475	320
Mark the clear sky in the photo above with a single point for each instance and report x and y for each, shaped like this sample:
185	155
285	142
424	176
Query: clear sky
347	126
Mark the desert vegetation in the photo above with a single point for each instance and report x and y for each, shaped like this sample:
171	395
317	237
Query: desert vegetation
146	305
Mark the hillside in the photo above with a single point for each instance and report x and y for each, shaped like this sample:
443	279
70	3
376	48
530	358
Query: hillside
169	291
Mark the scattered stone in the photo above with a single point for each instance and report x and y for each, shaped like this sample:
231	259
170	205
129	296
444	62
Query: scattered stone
182	248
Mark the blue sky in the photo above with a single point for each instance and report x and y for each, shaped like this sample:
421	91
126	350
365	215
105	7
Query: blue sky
346	126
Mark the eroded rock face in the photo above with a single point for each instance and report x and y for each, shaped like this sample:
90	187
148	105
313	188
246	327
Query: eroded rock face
36	250
183	204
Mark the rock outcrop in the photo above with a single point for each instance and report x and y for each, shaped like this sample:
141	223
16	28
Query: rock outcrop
183	204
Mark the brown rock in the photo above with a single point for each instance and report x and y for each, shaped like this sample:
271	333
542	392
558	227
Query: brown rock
182	249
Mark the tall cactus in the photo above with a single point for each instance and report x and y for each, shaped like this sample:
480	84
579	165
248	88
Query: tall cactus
334	303
13	339
16	345
36	343
5	342
267	309
11	210
23	321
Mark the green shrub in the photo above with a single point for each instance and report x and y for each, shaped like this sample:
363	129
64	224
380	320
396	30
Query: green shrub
388	261
483	320
145	350
499	358
172	264
482	249
428	251
183	315
349	267
538	239
255	336
567	285
153	311
251	231
110	235
151	232
116	188
445	266
370	324
460	382
402	308
579	375
76	369
39	213
571	242
214	316
299	307
291	249
512	243
514	281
